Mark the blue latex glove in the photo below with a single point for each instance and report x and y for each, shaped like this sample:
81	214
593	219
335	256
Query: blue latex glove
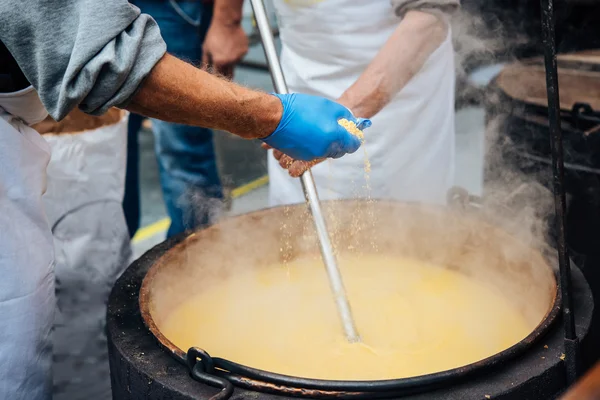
309	128
363	123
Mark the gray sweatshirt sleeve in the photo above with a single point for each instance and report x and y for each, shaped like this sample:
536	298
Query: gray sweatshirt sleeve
88	53
442	7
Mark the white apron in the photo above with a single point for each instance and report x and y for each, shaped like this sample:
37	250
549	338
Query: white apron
327	44
26	252
86	180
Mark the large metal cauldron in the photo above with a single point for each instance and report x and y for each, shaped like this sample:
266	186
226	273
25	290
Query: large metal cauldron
461	240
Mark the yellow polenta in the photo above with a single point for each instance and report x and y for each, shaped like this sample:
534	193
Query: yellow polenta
414	318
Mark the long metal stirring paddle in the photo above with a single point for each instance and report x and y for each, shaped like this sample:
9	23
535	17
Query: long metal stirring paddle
308	184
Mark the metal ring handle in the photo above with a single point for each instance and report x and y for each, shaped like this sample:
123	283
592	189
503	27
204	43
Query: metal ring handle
202	367
226	387
196	355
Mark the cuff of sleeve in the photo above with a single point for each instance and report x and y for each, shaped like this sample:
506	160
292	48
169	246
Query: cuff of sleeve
146	65
440	8
151	48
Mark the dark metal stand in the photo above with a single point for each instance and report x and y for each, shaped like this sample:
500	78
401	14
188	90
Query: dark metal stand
571	340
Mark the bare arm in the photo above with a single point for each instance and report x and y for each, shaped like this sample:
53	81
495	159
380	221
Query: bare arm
404	54
226	42
178	92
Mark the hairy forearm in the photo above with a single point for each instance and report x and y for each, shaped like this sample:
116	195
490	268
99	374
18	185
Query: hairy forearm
228	12
178	92
404	54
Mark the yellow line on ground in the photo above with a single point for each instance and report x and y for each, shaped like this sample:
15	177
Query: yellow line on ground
151	230
162	225
250	186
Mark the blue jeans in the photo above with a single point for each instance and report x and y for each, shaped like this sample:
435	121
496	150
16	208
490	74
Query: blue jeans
186	158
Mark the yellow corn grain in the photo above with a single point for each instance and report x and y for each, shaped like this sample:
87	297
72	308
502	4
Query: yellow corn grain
351	127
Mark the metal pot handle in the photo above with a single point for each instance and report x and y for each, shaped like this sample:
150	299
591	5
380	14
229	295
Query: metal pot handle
202	368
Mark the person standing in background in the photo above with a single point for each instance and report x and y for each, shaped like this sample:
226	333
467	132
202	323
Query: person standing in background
388	60
185	154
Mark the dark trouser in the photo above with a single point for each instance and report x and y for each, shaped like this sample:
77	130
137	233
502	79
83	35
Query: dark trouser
188	171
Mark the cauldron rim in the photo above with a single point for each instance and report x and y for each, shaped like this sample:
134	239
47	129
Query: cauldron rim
260	380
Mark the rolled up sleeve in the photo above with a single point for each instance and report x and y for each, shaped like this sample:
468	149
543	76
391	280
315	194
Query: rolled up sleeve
439	7
93	54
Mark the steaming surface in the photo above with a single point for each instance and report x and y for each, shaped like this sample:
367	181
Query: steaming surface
414	318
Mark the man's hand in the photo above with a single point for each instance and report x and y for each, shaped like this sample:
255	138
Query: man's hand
309	129
226	43
224	47
297	167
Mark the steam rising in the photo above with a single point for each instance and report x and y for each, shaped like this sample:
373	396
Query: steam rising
513	200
